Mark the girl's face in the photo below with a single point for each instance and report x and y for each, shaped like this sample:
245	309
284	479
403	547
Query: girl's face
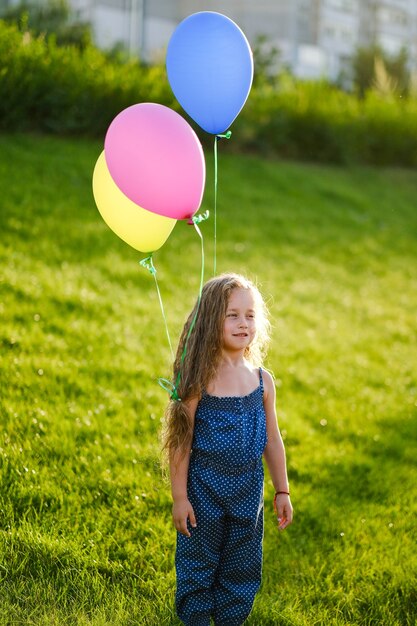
239	328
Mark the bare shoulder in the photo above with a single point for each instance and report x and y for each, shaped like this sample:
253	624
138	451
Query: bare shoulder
269	384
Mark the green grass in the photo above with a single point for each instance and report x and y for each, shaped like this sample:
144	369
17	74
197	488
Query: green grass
85	529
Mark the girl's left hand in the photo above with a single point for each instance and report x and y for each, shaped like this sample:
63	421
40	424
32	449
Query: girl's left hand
283	510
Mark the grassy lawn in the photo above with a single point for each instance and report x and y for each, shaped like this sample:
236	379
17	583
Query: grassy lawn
85	530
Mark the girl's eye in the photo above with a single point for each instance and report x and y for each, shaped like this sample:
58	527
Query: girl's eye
231	315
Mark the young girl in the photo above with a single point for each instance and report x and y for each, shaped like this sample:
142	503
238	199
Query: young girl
220	423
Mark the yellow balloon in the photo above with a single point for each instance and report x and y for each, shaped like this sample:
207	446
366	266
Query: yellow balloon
141	229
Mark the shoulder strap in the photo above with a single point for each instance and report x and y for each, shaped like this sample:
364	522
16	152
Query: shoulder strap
261	380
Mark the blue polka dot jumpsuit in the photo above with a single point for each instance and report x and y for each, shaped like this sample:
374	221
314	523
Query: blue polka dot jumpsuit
219	567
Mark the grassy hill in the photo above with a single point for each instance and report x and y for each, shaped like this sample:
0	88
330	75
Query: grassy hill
85	529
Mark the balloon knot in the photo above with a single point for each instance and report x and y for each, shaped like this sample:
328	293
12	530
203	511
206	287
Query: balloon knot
148	264
197	219
225	135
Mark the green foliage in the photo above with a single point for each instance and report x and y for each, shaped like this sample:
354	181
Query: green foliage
65	90
365	63
317	121
52	18
85	528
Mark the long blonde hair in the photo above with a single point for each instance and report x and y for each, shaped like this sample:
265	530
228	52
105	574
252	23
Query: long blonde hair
193	372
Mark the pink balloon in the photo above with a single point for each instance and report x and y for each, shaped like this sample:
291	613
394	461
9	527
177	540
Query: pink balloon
156	160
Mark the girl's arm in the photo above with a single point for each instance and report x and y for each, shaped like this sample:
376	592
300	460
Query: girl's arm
179	461
274	455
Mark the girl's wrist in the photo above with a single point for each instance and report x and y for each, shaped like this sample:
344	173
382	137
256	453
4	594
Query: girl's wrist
280	493
179	497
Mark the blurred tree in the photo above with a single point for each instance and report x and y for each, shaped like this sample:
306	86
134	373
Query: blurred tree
373	67
52	18
267	61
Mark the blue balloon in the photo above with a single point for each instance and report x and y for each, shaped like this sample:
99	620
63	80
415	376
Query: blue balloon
210	69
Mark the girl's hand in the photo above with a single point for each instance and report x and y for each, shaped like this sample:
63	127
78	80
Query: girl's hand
283	510
182	510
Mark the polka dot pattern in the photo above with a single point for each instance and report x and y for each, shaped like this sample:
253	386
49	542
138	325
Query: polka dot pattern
219	567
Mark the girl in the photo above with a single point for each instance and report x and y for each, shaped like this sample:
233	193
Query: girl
220	421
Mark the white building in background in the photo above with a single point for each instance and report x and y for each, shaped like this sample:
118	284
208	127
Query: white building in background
316	37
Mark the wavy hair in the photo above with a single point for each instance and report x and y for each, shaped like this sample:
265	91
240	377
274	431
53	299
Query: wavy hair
193	372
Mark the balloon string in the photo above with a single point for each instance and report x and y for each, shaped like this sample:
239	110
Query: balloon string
148	264
216	138
172	388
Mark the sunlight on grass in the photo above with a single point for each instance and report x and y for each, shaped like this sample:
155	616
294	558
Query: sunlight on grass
86	535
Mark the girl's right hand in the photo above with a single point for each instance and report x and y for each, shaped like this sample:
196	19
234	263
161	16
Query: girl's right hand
283	510
182	510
